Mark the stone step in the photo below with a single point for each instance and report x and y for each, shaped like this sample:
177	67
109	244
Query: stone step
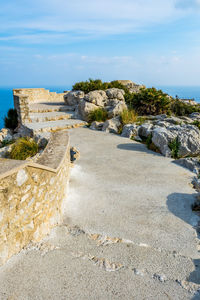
43	107
50	116
52	126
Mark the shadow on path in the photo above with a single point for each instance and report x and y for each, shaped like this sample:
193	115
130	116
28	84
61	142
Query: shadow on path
180	205
137	147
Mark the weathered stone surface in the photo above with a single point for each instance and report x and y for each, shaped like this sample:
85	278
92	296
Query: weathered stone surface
117	109
161	137
5	135
32	196
72	98
129	130
195	116
189	139
96	125
112	125
145	130
115	93
23	131
98	98
84	108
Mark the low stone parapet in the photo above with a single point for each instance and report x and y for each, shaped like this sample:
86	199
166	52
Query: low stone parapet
32	194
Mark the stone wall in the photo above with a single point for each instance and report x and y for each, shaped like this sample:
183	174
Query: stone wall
31	195
24	97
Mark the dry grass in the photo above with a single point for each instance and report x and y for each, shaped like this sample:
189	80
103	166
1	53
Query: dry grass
128	116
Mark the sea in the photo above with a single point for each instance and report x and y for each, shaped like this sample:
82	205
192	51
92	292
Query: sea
6	96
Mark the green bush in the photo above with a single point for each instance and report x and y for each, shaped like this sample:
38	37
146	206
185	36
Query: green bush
196	123
97	84
179	108
24	148
174	147
99	115
6	143
150	101
11	120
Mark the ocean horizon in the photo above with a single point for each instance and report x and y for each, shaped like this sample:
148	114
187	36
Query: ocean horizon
6	95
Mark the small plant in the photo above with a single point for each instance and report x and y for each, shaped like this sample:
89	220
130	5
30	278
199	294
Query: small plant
128	116
150	145
24	148
174	147
5	143
11	121
99	115
196	123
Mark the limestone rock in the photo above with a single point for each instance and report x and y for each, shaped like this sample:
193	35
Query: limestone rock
115	93
145	130
96	125
189	139
117	109
84	108
73	98
5	135
112	125
129	130
98	98
161	137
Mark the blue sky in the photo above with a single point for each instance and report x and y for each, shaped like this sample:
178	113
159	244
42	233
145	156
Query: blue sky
48	42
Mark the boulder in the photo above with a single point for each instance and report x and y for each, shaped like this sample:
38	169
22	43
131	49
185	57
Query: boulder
115	93
112	125
117	109
195	116
130	130
98	98
73	98
5	135
84	108
161	137
189	141
145	130
96	125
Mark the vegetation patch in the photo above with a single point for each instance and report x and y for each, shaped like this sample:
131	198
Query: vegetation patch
11	120
5	143
148	101
174	147
99	115
196	123
128	116
150	145
23	148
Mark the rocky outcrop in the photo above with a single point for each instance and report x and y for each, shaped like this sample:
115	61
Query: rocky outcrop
73	98
5	135
112	100
112	125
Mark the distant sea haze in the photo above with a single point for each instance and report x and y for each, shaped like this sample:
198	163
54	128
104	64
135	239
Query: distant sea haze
6	97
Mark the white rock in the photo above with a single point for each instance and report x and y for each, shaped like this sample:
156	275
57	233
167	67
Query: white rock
5	135
73	98
161	137
145	130
112	125
129	130
84	109
98	98
117	109
96	125
115	93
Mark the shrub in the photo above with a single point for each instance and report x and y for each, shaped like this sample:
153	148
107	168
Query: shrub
174	147
11	120
24	148
99	115
6	143
181	109
150	101
128	116
196	123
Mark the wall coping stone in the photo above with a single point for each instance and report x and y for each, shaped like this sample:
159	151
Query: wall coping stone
51	159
